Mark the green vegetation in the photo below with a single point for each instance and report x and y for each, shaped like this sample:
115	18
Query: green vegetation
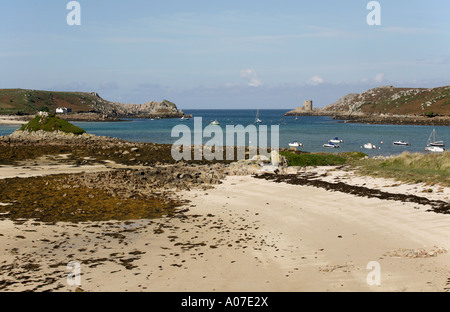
321	159
403	101
410	167
51	123
29	102
407	167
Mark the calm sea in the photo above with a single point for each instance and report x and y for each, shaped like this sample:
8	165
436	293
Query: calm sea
311	131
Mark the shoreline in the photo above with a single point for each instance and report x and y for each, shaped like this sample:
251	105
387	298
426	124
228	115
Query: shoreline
88	117
230	231
412	120
395	120
230	238
13	120
340	117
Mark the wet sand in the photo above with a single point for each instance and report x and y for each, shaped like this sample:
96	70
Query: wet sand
245	234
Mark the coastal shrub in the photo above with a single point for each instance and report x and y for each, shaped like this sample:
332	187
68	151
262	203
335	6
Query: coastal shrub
349	156
319	159
51	123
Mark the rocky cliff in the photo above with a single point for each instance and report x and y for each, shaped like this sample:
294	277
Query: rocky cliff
164	108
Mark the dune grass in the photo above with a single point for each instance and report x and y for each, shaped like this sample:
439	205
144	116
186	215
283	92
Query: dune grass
410	168
407	167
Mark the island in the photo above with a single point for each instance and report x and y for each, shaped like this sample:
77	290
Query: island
387	105
23	105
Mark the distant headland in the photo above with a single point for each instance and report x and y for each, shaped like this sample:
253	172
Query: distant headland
387	105
80	106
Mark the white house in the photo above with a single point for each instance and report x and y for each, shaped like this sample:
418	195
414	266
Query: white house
63	110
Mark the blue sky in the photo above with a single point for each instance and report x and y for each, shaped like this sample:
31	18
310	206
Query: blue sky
224	54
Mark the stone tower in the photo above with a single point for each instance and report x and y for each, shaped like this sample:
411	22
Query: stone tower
308	106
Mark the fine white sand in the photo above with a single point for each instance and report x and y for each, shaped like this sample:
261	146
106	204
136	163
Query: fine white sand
244	235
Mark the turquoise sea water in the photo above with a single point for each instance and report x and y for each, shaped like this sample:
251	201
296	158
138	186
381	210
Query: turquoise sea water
311	131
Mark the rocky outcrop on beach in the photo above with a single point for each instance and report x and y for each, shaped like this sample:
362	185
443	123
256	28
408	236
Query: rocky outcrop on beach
129	183
47	137
89	149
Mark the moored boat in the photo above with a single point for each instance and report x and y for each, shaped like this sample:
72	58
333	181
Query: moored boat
432	140
331	145
434	149
401	143
336	140
295	144
369	146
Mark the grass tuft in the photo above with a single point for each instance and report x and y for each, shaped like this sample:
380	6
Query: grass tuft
410	167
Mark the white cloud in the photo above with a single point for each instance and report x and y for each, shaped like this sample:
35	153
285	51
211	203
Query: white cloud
316	80
252	77
379	78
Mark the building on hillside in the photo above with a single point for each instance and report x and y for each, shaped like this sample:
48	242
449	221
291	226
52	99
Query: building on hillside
63	110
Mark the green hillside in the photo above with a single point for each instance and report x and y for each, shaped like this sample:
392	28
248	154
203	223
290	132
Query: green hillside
396	101
21	101
51	123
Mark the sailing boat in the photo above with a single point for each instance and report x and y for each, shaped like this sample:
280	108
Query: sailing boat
257	120
434	146
434	142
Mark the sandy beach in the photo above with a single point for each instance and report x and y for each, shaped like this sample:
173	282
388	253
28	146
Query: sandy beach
12	120
245	234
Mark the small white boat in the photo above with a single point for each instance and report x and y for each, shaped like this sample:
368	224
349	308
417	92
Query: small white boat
336	140
214	123
401	143
434	149
331	145
295	144
369	146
